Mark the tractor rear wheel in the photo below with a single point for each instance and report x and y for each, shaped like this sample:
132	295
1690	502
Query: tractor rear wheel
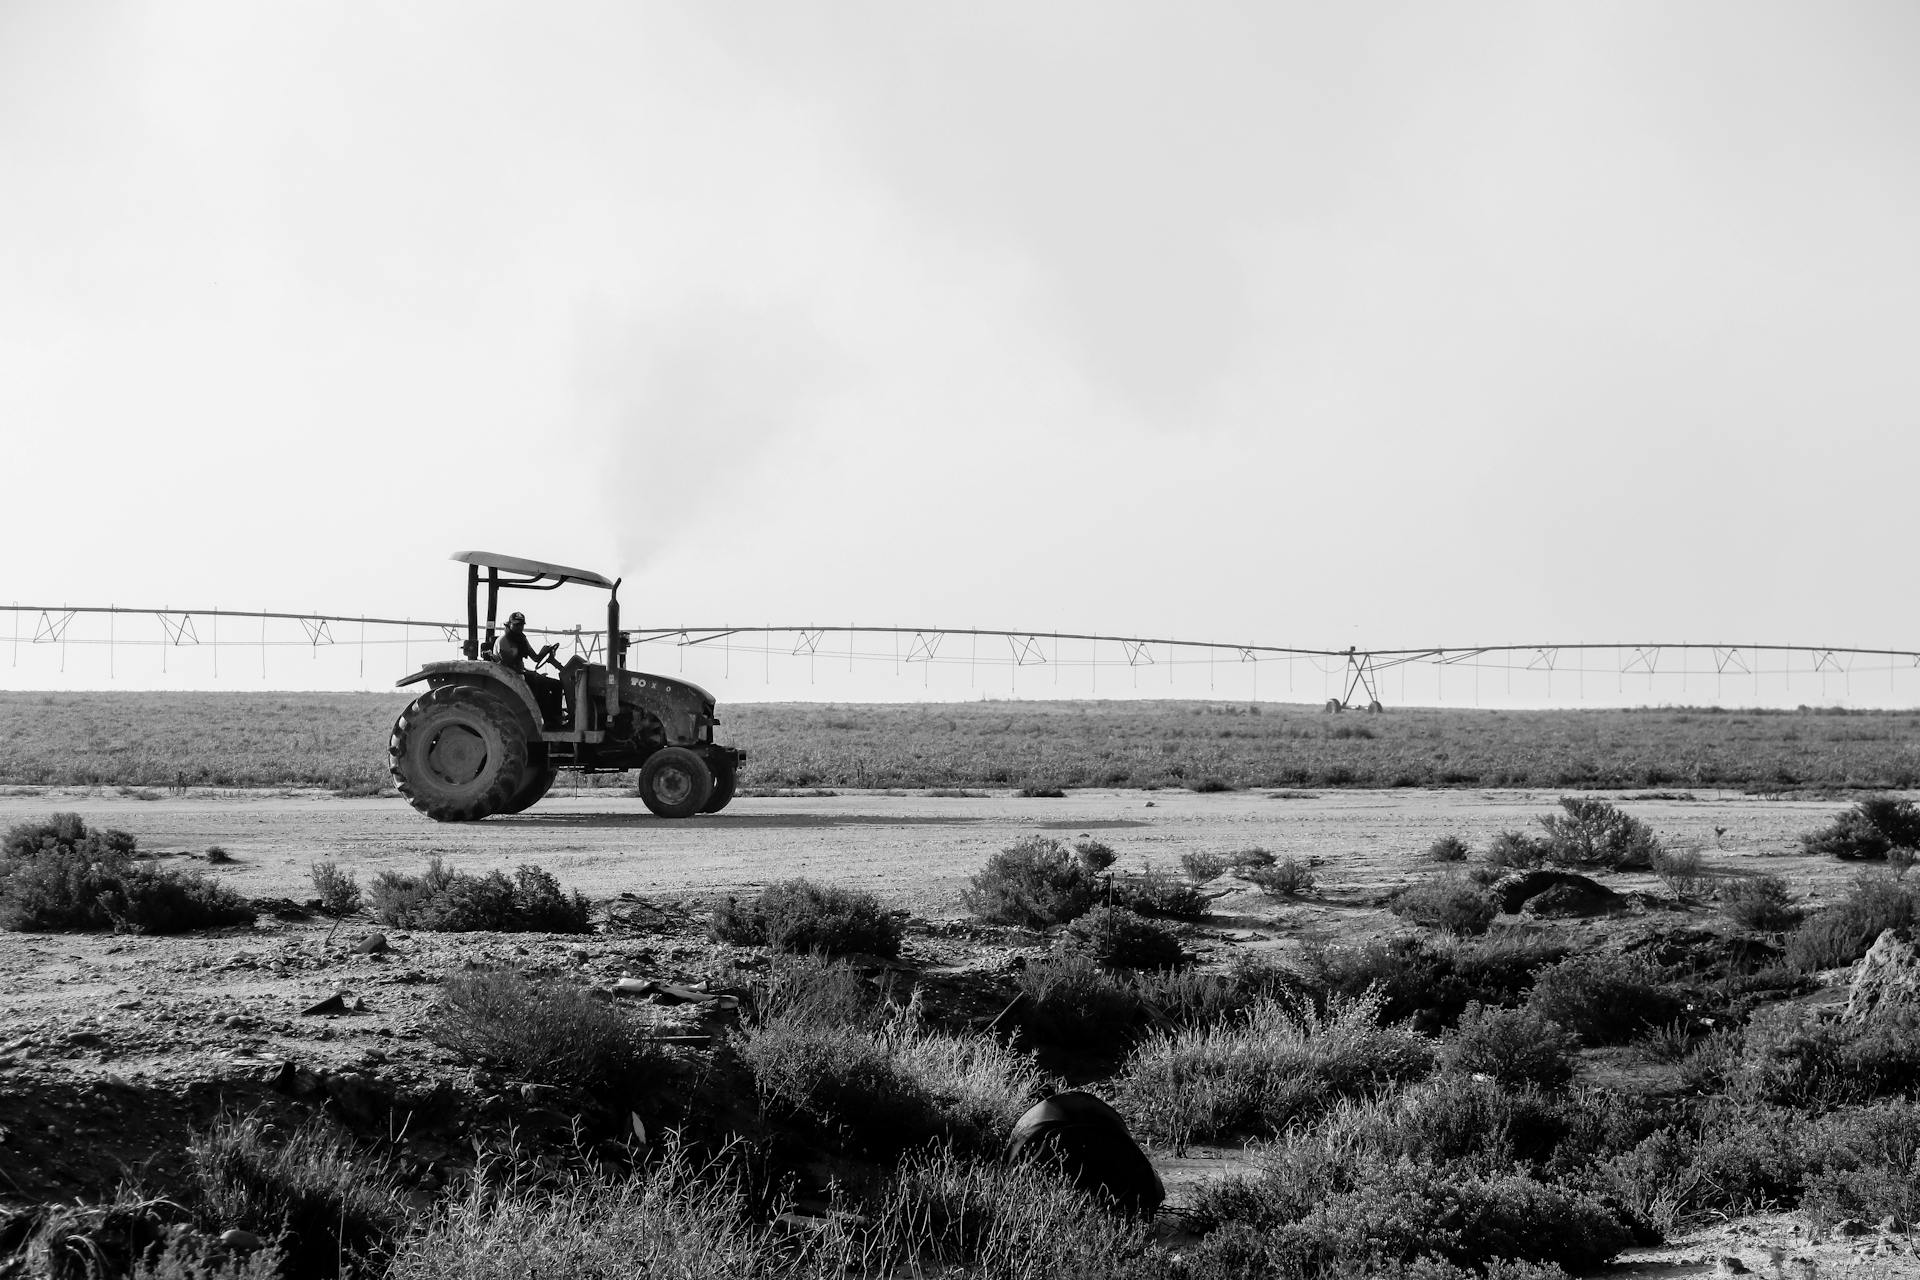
458	753
534	785
675	782
725	778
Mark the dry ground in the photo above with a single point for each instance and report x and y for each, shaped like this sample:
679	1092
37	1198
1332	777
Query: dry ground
112	1048
912	849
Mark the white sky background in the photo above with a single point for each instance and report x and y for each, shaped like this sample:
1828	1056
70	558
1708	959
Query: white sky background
1306	324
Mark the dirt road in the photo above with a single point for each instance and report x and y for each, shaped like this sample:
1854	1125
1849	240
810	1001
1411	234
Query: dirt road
913	849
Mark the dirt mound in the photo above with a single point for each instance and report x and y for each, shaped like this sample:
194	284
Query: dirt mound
1554	895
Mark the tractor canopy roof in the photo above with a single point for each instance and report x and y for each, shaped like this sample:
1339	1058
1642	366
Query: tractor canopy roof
560	573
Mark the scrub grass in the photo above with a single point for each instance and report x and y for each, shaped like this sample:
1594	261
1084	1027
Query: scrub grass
325	1204
546	1030
882	1090
1256	1074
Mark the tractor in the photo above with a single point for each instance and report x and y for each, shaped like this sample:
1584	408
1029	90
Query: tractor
484	739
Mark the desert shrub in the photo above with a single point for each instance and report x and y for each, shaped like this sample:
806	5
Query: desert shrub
1759	902
537	905
1309	1215
64	892
546	1030
1593	833
1512	1047
1287	878
1446	903
1256	1073
1242	859
1680	869
1073	999
1667	1042
1721	1160
1257	974
1732	1157
1448	849
1827	1063
1516	851
1603	999
396	898
1041	791
64	833
467	904
1427	981
1095	855
886	1089
1712	1060
1156	893
1850	837
1866	1169
1897	819
1202	868
1121	939
326	1204
799	915
1842	933
1037	882
339	891
57	877
1501	969
1868	831
1468	1119
446	901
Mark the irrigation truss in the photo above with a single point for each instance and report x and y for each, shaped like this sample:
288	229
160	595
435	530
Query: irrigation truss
44	636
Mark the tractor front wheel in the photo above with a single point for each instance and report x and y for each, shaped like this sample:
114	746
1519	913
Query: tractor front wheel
458	753
725	779
675	782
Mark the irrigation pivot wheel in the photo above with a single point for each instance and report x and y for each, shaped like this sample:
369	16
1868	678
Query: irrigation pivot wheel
458	753
675	782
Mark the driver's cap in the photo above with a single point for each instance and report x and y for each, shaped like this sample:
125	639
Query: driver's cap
516	618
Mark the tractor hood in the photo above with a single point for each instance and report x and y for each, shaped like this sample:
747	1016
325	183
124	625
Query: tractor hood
666	686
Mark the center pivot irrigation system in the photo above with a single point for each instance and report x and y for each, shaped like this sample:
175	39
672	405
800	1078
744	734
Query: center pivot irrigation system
111	642
1350	677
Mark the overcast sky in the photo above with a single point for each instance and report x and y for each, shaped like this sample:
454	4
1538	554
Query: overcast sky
1297	324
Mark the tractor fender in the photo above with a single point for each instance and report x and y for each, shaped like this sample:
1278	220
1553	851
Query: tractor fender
465	671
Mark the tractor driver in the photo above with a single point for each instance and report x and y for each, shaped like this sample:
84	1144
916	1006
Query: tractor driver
513	648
